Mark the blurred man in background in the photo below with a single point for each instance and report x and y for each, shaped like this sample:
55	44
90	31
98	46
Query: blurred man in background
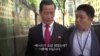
84	39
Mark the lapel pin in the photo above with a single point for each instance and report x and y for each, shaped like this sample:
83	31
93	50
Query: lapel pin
59	36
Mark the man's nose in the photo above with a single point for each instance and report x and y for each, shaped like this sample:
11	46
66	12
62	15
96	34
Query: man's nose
49	16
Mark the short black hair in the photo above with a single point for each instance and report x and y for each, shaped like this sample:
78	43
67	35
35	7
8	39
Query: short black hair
88	9
46	2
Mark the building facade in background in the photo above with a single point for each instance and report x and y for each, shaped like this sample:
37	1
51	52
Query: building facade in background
96	5
16	18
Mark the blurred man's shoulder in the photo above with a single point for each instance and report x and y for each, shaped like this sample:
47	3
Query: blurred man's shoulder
60	25
35	27
71	28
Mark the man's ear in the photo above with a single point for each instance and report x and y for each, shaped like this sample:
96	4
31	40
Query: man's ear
90	18
39	12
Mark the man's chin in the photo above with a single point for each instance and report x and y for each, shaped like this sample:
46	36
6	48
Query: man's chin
48	23
80	29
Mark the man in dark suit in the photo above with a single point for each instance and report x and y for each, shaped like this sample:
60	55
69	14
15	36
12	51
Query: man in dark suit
84	39
47	38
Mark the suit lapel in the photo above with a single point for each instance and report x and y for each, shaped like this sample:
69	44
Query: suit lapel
40	33
56	36
94	44
54	31
71	38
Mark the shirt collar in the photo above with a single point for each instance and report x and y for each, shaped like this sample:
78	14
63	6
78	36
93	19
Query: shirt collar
49	25
85	30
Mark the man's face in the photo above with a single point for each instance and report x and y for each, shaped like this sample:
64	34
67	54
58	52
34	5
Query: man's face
47	14
83	21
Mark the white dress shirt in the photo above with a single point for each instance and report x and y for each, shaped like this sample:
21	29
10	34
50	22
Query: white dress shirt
81	36
50	28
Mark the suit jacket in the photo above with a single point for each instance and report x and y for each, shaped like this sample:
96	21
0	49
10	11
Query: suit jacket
36	37
95	41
